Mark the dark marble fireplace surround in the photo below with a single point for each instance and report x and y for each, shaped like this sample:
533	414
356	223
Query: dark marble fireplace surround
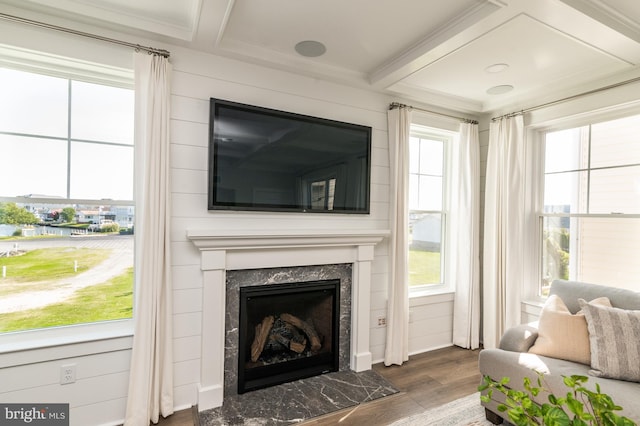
260	277
303	399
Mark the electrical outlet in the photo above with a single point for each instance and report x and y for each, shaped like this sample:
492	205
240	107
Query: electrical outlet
382	321
67	374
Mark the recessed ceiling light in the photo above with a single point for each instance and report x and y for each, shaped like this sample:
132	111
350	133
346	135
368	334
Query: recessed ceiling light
496	68
499	90
310	48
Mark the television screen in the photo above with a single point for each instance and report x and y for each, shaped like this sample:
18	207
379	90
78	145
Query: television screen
270	160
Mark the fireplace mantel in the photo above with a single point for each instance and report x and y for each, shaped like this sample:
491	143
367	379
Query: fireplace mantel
223	250
243	240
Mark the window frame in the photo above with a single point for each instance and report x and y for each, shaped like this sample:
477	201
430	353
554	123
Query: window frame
27	346
535	135
448	137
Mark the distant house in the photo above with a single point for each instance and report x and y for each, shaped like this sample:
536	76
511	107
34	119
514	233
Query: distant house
123	215
88	216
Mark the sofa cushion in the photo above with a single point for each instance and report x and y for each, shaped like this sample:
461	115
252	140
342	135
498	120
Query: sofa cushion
519	338
614	334
562	334
571	291
497	364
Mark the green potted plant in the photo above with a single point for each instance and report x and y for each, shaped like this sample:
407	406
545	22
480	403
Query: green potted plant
580	406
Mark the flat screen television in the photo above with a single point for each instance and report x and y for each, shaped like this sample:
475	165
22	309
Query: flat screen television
269	160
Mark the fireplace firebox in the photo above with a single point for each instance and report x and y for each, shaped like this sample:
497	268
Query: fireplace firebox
287	332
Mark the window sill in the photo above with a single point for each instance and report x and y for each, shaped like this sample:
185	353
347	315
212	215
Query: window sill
64	342
429	296
532	307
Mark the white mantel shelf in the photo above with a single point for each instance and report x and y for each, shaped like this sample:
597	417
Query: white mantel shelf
245	239
223	250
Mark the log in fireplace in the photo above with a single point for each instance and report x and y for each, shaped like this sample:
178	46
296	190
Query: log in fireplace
287	332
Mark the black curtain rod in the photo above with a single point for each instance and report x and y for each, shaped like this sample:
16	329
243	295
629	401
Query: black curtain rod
395	105
568	98
151	50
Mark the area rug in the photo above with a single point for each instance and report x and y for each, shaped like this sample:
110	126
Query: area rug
298	401
465	411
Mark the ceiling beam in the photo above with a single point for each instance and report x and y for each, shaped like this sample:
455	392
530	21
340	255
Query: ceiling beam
426	51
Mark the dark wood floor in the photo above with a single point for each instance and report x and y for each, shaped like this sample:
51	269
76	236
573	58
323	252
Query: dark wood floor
426	381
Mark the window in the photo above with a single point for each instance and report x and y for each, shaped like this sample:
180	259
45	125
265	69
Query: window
322	194
66	201
590	222
427	217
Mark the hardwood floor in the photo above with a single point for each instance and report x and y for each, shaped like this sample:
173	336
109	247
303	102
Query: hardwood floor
179	418
427	380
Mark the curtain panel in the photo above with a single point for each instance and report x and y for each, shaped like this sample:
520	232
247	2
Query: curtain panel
151	373
397	344
464	237
503	260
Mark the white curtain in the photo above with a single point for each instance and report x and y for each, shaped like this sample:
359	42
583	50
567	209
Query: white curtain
464	224
397	345
503	229
151	375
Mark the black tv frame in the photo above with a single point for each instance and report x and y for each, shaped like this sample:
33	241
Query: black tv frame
213	204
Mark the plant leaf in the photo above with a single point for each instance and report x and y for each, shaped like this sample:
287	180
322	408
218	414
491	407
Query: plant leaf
556	417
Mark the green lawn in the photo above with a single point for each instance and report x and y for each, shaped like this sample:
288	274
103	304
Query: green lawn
424	267
108	301
46	269
51	263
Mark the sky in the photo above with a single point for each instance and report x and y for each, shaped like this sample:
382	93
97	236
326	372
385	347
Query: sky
93	135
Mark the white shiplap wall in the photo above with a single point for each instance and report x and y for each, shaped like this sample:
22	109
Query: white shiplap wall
198	77
99	394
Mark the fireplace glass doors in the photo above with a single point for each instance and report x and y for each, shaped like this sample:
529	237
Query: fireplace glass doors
287	332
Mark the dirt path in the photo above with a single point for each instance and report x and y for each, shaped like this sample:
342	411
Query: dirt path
121	258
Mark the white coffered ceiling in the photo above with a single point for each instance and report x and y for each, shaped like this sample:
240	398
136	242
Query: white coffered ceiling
429	51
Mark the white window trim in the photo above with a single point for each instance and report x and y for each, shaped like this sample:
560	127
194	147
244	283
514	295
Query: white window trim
58	66
29	346
429	290
33	346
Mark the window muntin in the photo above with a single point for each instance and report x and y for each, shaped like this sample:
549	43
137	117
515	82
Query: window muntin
590	223
427	218
74	198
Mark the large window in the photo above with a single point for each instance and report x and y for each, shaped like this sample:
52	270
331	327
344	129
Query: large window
427	217
590	223
66	201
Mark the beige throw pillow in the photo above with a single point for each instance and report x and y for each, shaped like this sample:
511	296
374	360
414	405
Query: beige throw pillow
564	335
